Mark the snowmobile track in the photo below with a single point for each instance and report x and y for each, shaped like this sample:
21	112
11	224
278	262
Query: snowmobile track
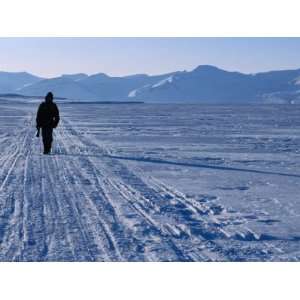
81	204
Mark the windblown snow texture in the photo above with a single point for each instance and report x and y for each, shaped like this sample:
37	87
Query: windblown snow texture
151	183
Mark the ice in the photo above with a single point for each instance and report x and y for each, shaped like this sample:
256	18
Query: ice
151	182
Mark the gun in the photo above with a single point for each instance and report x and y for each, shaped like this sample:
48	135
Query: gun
38	132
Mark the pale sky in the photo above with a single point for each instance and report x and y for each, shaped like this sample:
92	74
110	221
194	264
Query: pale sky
50	57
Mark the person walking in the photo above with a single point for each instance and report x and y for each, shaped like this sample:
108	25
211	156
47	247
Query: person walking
47	118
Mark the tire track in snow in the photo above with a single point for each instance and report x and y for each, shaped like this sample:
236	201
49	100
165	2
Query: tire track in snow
144	200
117	223
11	194
102	216
81	205
214	233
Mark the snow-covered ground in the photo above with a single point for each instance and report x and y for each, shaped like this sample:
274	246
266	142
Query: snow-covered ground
146	182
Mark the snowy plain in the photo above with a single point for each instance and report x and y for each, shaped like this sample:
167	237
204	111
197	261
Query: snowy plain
151	182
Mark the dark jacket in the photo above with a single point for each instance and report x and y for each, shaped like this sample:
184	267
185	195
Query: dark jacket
47	115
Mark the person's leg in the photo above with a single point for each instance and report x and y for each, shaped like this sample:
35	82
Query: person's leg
50	139
47	139
44	137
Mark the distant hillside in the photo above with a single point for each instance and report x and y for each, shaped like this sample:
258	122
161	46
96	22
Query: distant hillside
204	84
98	87
11	82
212	85
61	87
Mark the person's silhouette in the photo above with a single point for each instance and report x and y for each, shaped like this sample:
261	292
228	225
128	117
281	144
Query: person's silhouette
47	118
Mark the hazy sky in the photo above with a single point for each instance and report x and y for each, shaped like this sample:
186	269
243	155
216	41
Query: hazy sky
51	57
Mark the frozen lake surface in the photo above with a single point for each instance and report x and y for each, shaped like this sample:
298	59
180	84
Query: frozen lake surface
145	182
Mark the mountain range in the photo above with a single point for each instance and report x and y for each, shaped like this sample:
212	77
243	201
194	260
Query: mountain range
204	84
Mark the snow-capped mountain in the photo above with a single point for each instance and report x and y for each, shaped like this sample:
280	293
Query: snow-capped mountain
13	81
204	84
60	87
117	88
97	87
212	85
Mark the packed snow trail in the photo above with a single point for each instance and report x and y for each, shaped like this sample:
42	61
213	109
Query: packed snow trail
81	203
